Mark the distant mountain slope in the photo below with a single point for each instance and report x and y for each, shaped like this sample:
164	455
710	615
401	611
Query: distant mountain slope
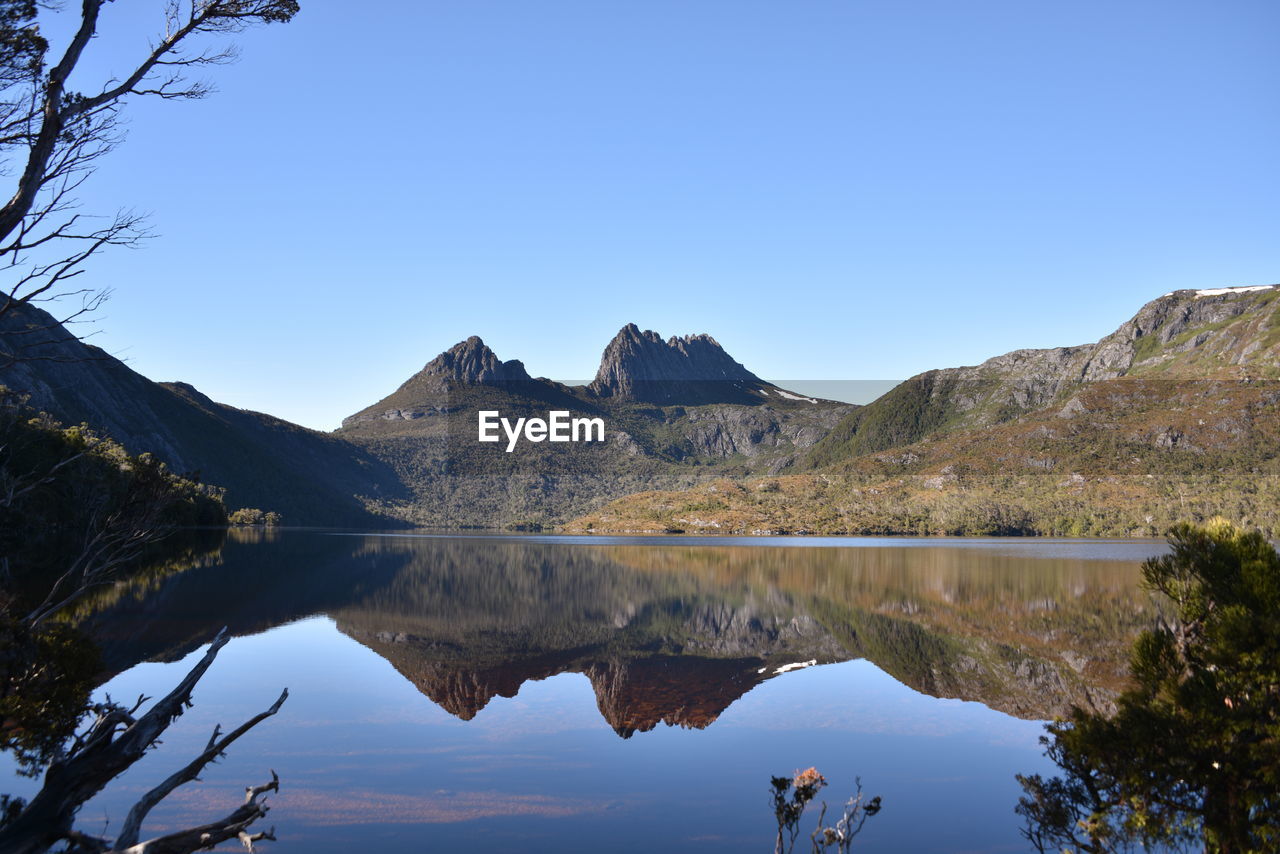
309	477
1175	415
675	412
1187	334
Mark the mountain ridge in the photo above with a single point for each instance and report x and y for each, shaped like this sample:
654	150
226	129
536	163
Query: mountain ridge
1174	415
413	457
1156	342
676	411
1179	389
260	460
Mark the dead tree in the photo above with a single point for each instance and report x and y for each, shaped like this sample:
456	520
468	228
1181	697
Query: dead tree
51	137
114	740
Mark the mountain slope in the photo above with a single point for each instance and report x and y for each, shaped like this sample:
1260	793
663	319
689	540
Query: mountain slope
309	477
1175	415
1223	333
674	412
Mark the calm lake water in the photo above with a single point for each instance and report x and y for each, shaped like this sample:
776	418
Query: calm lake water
559	694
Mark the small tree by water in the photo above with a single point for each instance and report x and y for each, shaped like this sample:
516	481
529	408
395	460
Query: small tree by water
1191	758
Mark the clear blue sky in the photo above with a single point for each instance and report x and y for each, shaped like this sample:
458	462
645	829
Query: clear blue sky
835	189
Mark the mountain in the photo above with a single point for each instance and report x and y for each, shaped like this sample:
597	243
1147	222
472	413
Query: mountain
641	367
1174	415
468	372
1186	335
471	363
636	368
674	412
311	478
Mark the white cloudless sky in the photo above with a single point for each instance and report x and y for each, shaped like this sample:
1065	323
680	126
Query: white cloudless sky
835	189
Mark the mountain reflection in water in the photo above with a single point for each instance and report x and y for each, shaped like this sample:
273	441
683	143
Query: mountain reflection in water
667	631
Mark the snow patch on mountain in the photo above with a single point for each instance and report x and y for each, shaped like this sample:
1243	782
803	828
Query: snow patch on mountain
1215	292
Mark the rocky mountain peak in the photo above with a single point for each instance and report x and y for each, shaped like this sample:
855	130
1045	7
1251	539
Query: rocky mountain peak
467	364
1227	325
471	362
691	369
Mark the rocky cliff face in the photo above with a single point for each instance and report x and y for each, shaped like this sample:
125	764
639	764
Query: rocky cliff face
754	432
470	362
1224	327
637	368
1194	333
640	366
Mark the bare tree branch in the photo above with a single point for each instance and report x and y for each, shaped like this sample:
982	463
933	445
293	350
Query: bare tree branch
113	742
191	771
233	826
56	135
52	122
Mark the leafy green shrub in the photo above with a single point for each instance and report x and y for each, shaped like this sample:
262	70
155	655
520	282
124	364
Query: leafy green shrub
253	516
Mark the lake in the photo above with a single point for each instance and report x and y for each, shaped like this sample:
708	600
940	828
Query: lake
565	694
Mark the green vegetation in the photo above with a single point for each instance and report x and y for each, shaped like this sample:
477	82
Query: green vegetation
77	513
950	504
1192	755
75	507
905	414
250	516
45	679
1078	441
1130	457
1096	440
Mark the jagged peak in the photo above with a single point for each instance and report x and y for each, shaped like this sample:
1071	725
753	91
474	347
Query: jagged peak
694	368
471	362
674	341
632	332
